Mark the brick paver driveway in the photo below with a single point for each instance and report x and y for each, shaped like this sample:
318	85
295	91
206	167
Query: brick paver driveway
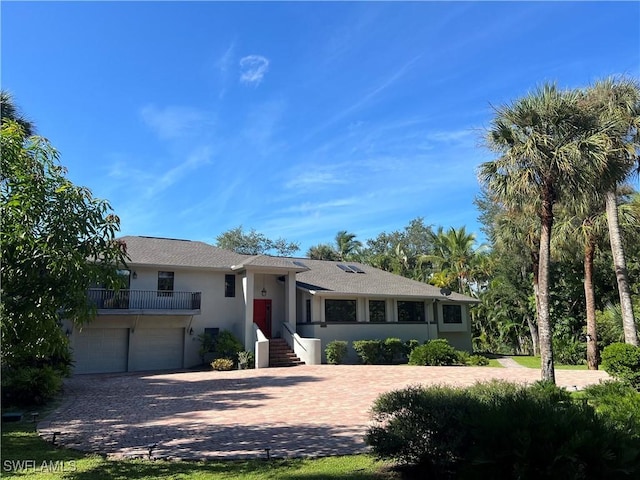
300	411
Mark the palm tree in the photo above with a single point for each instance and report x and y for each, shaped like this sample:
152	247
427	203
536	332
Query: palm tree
617	104
543	140
346	244
322	251
9	111
454	253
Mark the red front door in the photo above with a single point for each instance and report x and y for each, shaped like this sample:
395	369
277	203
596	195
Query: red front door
262	315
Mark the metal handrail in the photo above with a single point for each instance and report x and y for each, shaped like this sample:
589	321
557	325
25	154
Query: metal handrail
105	299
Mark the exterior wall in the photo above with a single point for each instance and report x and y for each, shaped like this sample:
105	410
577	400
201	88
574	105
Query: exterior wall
275	293
216	311
458	335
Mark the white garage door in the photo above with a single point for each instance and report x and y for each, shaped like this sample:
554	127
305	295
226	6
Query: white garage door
158	349
101	350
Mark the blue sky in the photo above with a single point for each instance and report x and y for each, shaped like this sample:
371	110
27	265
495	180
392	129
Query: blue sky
296	119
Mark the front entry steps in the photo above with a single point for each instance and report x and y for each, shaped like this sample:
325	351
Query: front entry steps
281	355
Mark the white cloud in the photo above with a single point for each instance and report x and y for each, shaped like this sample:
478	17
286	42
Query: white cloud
253	69
172	122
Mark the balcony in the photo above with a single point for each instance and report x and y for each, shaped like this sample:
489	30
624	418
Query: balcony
150	302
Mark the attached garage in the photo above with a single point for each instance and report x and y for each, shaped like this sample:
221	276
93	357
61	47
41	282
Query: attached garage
157	349
101	350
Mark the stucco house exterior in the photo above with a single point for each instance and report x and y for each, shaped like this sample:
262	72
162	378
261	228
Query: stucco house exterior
178	289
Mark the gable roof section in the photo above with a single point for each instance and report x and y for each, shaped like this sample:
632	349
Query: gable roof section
320	277
325	278
178	253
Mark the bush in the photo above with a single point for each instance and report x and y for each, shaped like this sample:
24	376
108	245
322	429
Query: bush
499	430
393	351
622	361
478	361
410	346
336	352
617	402
30	385
569	351
246	360
435	352
369	351
222	364
226	345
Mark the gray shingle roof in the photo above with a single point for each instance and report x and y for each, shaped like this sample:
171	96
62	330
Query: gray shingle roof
326	278
323	277
184	253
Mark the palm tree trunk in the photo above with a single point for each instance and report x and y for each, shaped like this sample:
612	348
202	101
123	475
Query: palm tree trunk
615	238
590	298
533	326
544	317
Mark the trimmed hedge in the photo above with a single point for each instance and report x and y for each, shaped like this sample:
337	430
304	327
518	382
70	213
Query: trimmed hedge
336	351
435	352
622	360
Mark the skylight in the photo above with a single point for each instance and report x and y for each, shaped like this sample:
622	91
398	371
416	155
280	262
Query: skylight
350	268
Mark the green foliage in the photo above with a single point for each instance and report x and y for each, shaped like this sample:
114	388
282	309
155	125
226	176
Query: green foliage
226	345
30	385
618	402
370	351
410	345
246	360
254	243
499	430
622	361
222	364
568	350
336	351
435	352
56	241
393	350
206	345
478	361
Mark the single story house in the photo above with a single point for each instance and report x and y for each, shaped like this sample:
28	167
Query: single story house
178	289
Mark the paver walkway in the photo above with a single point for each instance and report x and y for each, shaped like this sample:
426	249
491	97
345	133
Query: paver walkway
301	411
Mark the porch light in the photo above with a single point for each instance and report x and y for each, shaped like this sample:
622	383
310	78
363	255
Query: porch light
135	275
264	292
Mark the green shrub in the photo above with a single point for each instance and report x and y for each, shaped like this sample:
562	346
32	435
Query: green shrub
222	364
499	430
246	360
410	346
30	385
336	351
226	345
617	402
478	361
369	351
435	352
622	361
462	357
569	351
393	350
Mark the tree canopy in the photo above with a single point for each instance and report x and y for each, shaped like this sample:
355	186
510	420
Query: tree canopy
255	243
57	240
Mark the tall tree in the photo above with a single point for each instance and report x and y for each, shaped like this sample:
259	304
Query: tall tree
322	251
255	243
56	241
617	104
542	141
10	111
347	245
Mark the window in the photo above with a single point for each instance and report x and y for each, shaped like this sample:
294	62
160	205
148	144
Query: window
340	311
229	285
377	311
451	314
308	311
165	284
411	311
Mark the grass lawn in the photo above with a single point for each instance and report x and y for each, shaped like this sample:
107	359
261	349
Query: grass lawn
25	454
534	362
